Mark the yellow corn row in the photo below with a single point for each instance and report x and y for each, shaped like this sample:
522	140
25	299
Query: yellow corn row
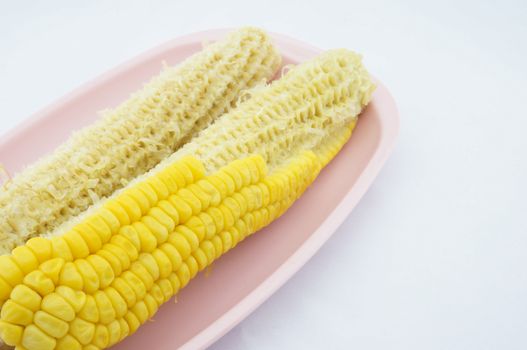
134	137
116	265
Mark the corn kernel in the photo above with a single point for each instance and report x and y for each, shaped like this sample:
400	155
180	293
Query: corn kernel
241	201
183	275
100	227
201	258
157	294
77	245
170	210
101	337
146	269
236	237
140	198
105	307
250	199
173	255
160	216
217	218
90	347
219	185
201	195
166	288
103	269
147	240
159	187
212	192
168	178
197	226
90	237
125	328
10	271
266	196
26	296
235	175
242	228
10	333
34	339
130	206
142	273
16	314
135	283
52	268
75	298
151	305
191	199
114	332
25	259
157	229
181	244
189	235
119	253
61	249
226	241
68	342
218	246
57	306
240	166
70	276
125	290
228	217
193	266
131	234
195	166
89	311
89	276
109	218
118	303
140	311
5	290
125	244
118	211
133	322
51	325
163	262
184	210
41	247
181	174
233	206
149	193
39	282
82	330
226	179
175	282
210	226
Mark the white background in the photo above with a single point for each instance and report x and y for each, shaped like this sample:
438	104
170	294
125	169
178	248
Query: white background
435	255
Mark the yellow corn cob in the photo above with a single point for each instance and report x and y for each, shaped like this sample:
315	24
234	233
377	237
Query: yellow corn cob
134	137
111	271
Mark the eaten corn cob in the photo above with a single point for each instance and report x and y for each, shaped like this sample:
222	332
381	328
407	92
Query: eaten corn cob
113	267
134	137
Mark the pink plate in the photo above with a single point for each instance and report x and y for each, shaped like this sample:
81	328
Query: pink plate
241	280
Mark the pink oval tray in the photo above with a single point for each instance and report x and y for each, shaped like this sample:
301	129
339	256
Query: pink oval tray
246	276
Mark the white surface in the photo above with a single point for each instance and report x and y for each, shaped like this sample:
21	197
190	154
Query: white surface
435	255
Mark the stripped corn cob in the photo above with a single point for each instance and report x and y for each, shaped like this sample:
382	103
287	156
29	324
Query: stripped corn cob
134	137
109	273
